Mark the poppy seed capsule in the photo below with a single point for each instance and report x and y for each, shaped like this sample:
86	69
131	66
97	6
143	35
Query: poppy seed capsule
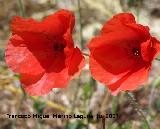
136	52
58	47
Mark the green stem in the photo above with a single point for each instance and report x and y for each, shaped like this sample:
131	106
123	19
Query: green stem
137	108
21	8
82	46
138	9
80	24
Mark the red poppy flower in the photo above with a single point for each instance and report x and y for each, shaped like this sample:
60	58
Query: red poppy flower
43	52
121	55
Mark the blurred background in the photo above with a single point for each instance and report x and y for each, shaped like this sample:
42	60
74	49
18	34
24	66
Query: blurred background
83	95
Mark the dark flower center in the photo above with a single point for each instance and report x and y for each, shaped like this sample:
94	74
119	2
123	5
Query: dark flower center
136	52
58	47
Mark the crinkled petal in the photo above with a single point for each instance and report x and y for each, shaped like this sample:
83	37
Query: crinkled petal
66	19
75	61
29	52
56	76
20	59
42	84
125	21
132	80
123	37
148	51
59	23
19	24
110	51
155	45
101	74
117	22
129	80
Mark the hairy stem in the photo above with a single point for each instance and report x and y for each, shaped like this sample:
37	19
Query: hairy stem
80	24
138	9
137	108
21	8
82	46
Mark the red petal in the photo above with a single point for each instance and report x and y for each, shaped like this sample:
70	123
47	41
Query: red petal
66	19
65	16
101	74
41	85
75	61
148	51
121	37
30	47
110	51
18	24
131	81
20	59
117	22
156	44
54	25
70	19
125	21
55	76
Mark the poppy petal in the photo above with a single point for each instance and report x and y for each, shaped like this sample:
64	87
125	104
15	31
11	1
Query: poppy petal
110	51
156	44
119	82
20	59
55	76
101	74
66	20
54	25
122	37
148	51
117	22
75	62
42	84
125	21
19	24
131	80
